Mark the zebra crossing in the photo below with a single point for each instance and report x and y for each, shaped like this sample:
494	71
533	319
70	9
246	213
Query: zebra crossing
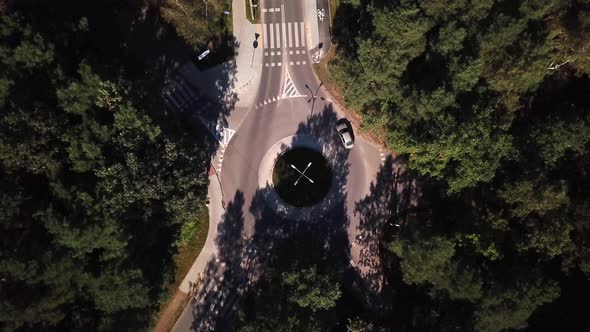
285	34
284	38
179	96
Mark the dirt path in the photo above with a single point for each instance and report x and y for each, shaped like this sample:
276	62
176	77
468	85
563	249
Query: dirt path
171	312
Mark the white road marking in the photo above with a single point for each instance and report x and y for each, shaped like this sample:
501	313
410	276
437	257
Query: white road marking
265	35
296	35
272	53
284	28
289	30
278	53
222	135
297	52
304	62
271	10
264	10
278	33
302	35
277	10
272	64
272	36
289	90
279	64
265	53
266	64
298	63
290	52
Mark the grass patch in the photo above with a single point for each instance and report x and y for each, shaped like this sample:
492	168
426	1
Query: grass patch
183	260
256	18
322	70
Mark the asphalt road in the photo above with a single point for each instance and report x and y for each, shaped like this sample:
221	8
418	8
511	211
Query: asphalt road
289	101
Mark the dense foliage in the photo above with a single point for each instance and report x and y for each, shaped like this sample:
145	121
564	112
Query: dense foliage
489	100
95	193
197	21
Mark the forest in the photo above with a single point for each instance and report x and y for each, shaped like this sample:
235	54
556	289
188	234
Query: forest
485	102
99	186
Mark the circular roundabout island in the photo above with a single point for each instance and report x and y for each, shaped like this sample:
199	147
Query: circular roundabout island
302	177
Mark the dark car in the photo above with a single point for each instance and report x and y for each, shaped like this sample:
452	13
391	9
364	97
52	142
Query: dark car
344	129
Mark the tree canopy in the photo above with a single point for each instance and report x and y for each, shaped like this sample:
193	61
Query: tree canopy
96	195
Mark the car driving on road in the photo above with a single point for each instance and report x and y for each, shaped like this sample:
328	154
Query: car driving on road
344	129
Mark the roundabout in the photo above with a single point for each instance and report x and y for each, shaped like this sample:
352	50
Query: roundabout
292	187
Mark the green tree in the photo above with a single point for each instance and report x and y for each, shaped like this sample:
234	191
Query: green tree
309	289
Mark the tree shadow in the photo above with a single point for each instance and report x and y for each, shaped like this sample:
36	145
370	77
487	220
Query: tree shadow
224	276
393	193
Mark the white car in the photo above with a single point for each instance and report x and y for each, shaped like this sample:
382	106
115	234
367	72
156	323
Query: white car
344	129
